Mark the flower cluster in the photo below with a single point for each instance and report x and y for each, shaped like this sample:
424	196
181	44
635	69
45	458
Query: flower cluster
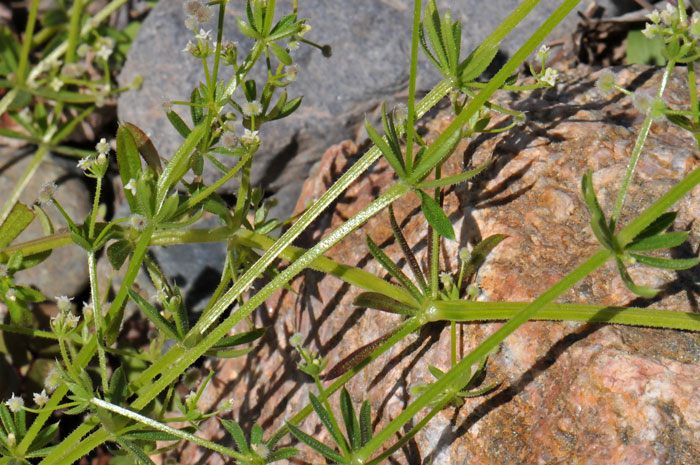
96	166
679	33
65	321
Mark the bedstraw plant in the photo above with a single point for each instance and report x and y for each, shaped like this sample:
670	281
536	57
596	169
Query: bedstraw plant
128	397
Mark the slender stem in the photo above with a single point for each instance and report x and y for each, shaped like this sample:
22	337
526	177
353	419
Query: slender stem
26	43
637	150
694	107
95	207
74	30
98	319
417	9
167	429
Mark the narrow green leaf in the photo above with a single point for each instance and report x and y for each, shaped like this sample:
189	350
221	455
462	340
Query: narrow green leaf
659	225
118	391
282	25
316	445
643	291
393	269
448	39
128	160
456	179
145	147
7	421
165	327
237	434
431	21
381	302
356	357
481	251
256	434
282	453
228	353
288	108
598	222
365	422
178	123
118	252
426	49
242	338
392	136
134	450
155	435
407	252
17	221
352	427
281	54
326	418
258	16
477	62
246	30
665	263
661	241
196	111
436	216
391	157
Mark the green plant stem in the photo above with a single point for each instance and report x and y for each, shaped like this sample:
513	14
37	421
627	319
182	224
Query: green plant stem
470	311
167	429
184	359
637	150
406	437
453	343
402	331
694	107
417	8
95	207
26	43
456	376
99	322
74	30
17	190
307	218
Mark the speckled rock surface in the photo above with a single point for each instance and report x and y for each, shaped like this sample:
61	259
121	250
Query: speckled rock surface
65	271
570	393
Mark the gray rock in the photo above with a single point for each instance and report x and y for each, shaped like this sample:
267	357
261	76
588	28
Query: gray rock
65	271
371	51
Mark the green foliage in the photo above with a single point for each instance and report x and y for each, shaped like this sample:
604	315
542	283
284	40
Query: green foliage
128	397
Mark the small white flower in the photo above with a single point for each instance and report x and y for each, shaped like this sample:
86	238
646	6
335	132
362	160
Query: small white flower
131	186
550	76
261	450
102	146
190	47
138	222
293	45
650	30
11	295
250	137
11	440
291	72
56	84
229	140
167	106
46	193
41	398
88	310
296	339
543	53
606	81
71	321
203	14
15	404
642	101
654	16
252	108
52	381
669	15
82	50
191	6
63	303
85	163
204	36
189	398
191	22
26	115
104	52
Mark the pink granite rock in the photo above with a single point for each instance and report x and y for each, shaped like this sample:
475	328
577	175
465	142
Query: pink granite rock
570	393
